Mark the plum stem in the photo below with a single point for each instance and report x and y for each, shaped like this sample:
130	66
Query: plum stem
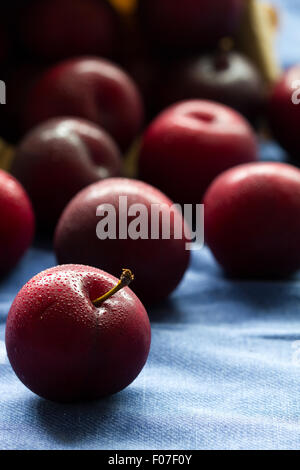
126	278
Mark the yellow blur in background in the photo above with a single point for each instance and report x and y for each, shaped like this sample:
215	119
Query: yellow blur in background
6	155
125	6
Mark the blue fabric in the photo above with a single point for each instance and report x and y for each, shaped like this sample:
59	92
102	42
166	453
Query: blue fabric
224	367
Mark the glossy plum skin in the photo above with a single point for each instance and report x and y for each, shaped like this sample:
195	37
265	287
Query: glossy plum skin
189	144
158	264
60	157
284	115
65	349
252	220
191	24
57	29
17	222
89	88
226	77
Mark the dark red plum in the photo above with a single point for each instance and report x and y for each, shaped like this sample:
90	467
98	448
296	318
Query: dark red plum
58	158
67	343
58	29
226	77
284	111
189	144
92	89
17	222
189	24
252	220
159	264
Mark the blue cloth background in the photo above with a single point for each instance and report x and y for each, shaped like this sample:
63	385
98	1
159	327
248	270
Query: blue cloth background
224	368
